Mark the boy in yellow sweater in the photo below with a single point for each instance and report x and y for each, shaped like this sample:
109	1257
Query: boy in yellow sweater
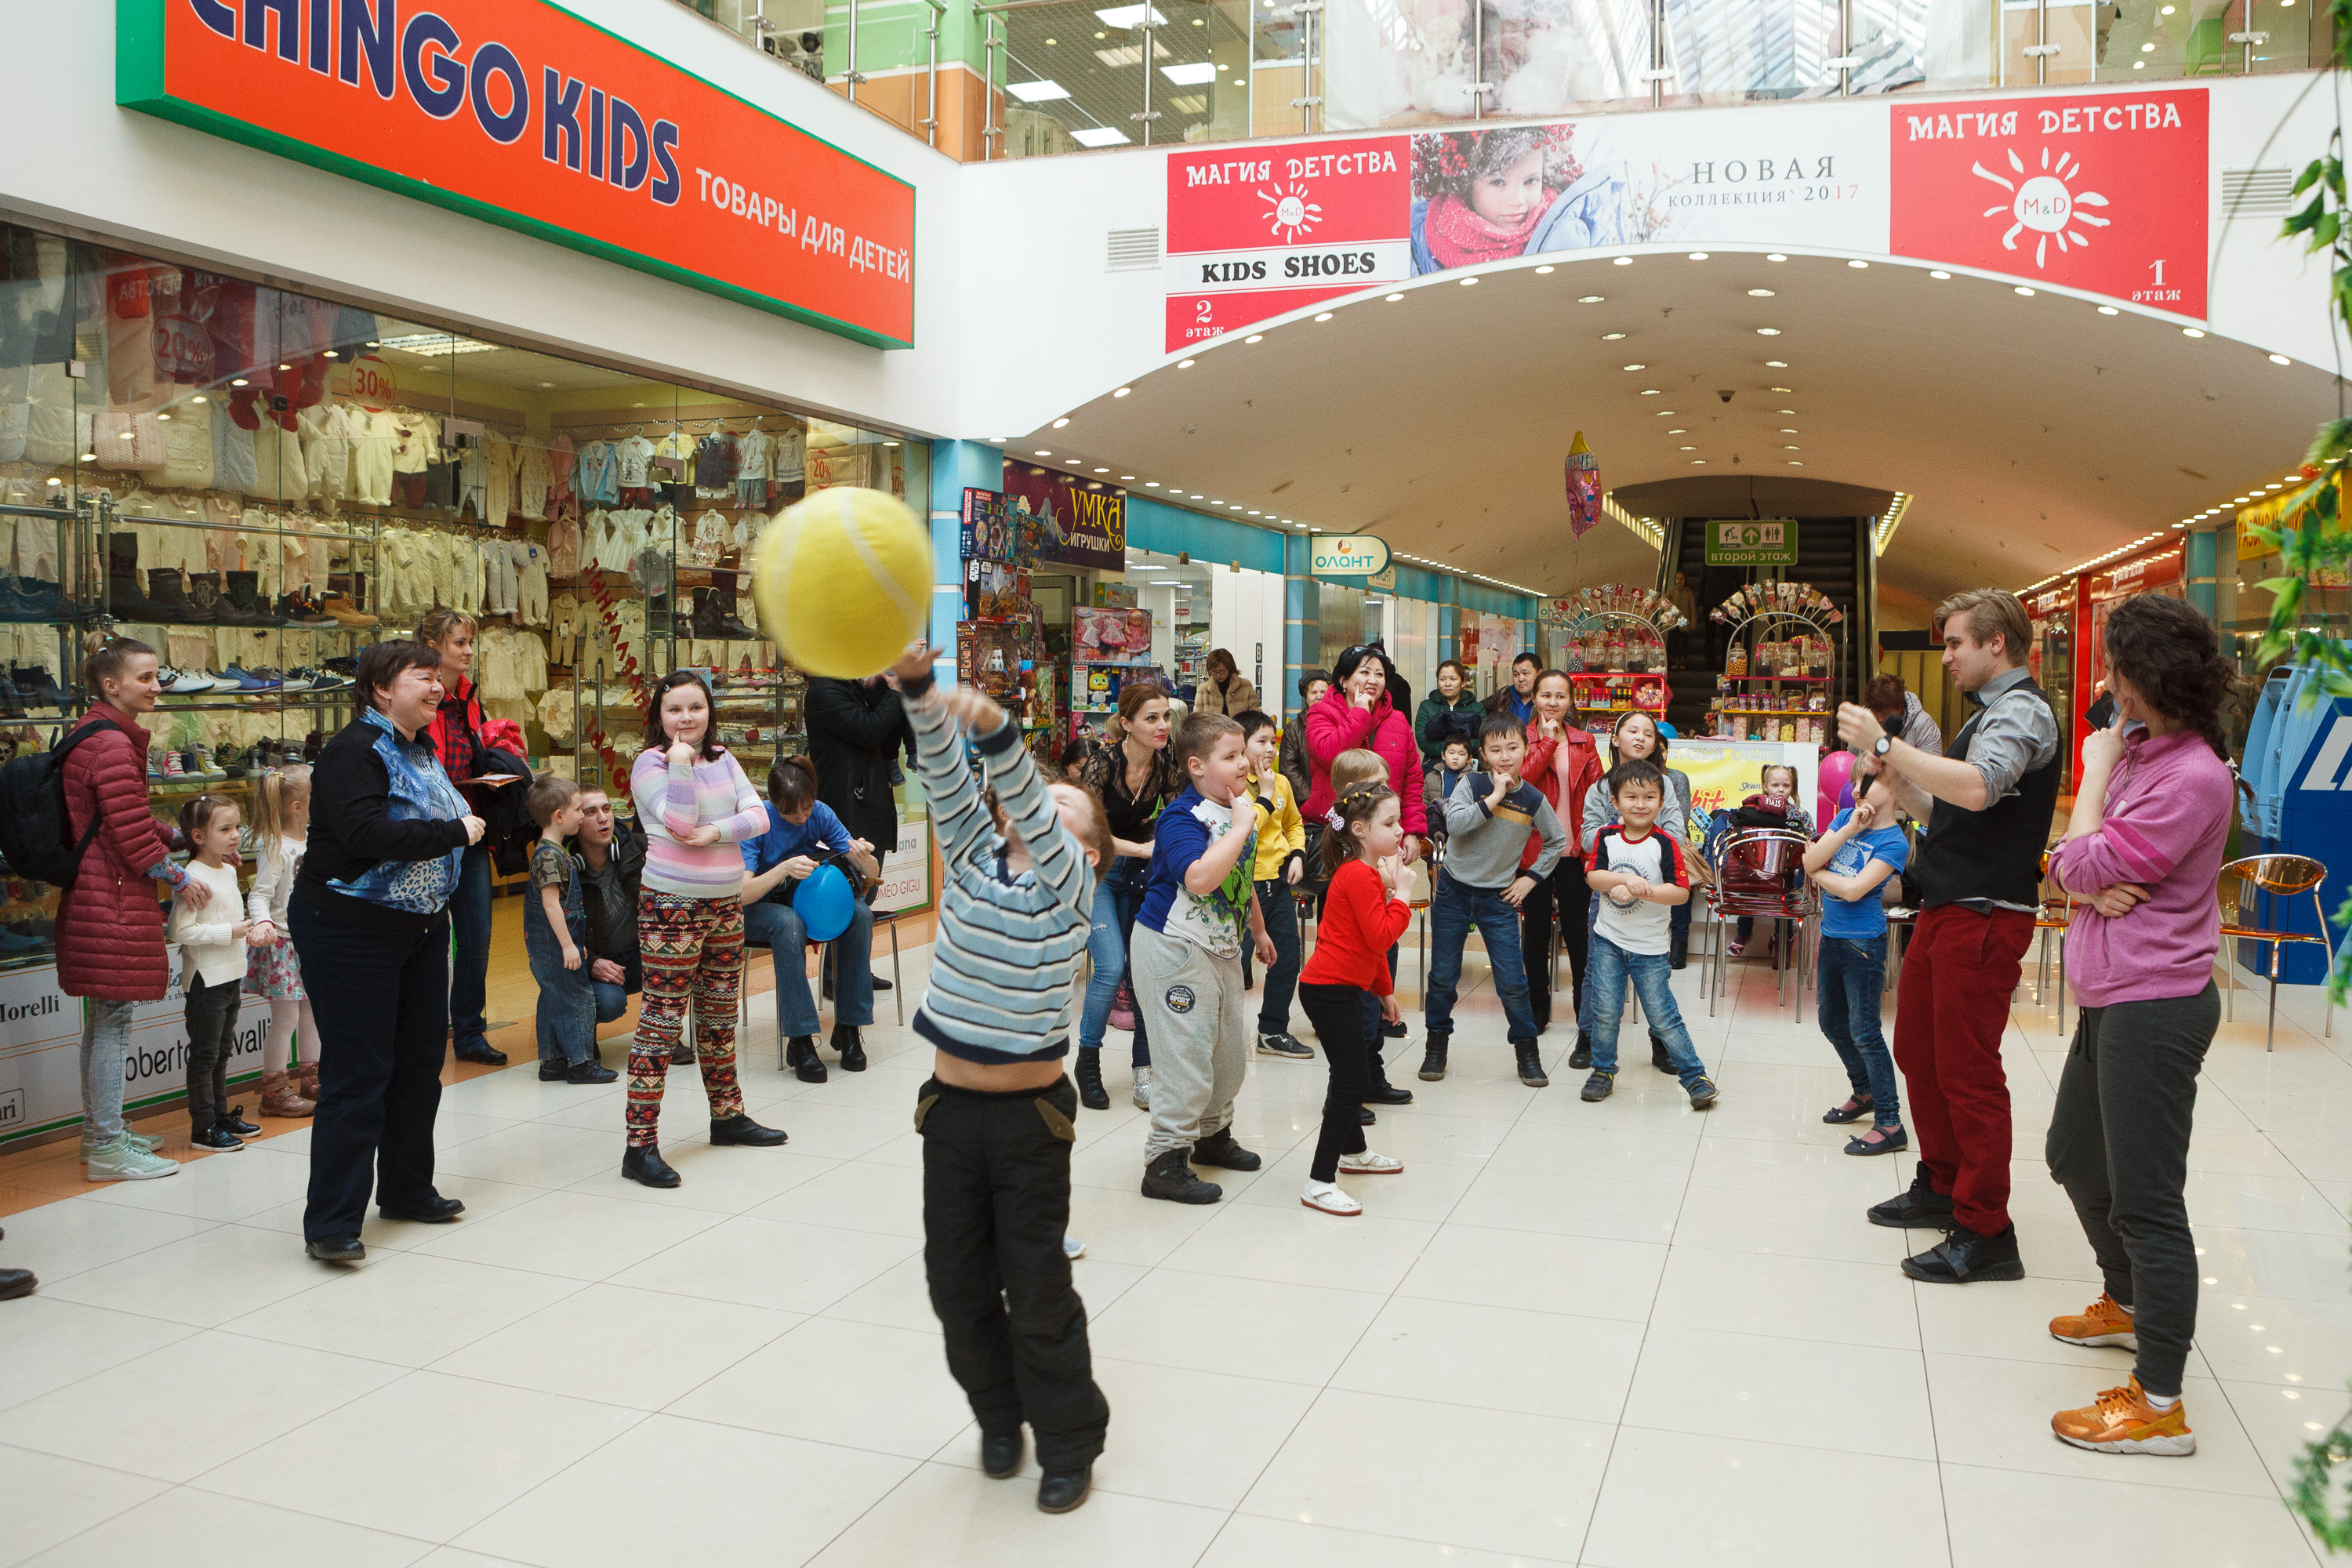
1281	861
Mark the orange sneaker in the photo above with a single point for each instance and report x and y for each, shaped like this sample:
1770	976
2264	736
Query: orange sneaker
2102	1323
2121	1422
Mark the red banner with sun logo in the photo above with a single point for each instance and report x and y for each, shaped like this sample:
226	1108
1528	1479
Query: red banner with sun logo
1254	233
2100	192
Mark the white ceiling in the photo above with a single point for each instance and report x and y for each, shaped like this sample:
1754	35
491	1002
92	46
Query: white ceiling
2033	433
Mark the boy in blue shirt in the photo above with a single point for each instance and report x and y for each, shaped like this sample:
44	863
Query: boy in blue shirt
1198	905
1863	848
802	830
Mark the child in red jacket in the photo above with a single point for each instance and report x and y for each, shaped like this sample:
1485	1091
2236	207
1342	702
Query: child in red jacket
1363	916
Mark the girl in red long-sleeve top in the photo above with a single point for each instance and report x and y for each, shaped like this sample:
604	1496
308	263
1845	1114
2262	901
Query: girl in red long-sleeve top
1363	915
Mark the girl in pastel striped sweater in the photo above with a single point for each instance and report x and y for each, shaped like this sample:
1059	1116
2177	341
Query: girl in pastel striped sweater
695	804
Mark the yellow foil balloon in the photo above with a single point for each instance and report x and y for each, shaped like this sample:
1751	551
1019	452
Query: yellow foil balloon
843	580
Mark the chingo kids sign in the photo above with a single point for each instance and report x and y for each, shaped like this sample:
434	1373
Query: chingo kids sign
1348	555
522	114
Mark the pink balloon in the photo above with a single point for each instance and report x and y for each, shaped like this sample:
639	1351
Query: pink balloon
1834	786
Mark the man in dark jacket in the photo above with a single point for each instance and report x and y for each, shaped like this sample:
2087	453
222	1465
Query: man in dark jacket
856	728
1291	760
1519	699
611	856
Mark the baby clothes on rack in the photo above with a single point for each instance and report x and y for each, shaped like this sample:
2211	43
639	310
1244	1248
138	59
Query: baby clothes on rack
530	574
555	713
563	547
416	441
561	500
715	467
564	629
502	589
187	448
679	447
788	458
753	452
473	476
711	532
635	456
500	483
598	467
328	437
372	455
533	476
233	459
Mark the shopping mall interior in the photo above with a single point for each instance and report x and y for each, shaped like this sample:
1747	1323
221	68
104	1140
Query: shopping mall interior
1687	358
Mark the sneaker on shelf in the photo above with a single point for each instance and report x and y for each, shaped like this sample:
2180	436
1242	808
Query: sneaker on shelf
325	679
1329	1199
183	682
2103	1323
2122	1421
1368	1164
301	677
172	767
207	765
261	678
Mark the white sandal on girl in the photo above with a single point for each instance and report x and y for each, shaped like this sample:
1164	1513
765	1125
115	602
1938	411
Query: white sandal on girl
1370	1164
1323	1195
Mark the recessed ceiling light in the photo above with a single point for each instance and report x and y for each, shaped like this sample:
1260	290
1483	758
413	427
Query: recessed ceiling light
1796	462
1767	332
2022	289
1686	448
1184	363
1611	337
1122	391
1540	270
1777	364
2109	311
1776	255
1786	431
1759	293
1637	367
1779	388
1588	299
1698	462
1649	391
1623	261
545	384
1043	453
1193	497
332	354
1467	282
1792	448
1857	265
2190	332
1098	470
1151	484
1791	411
1663	413
2275	359
1127	479
1940	276
1677	432
1063	423
1698	256
240	381
1255	338
1394	298
1323	315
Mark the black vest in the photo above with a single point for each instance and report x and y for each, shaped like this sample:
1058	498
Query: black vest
1995	853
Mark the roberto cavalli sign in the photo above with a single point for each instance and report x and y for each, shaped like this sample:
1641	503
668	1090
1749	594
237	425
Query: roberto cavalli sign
521	113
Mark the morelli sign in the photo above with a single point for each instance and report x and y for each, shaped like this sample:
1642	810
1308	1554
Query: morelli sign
522	114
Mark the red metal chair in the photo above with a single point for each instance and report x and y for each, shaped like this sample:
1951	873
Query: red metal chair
1760	874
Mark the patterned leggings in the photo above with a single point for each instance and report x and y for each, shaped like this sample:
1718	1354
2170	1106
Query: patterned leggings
690	947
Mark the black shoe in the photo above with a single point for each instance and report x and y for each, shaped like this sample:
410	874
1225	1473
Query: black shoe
552	1071
16	1282
1171	1176
1580	1057
799	1055
1389	1032
999	1454
436	1211
1855	1107
235	1121
1597	1086
590	1071
338	1250
1922	1207
1433	1058
481	1051
1964	1256
1677	952
1059	1491
1531	1072
1220	1151
216	1139
1364	1114
1387	1094
1280	1044
741	1130
848	1047
681	1055
1658	1057
1892	1142
882	985
1091	1093
644	1163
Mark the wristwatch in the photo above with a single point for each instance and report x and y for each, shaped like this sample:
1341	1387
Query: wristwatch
1879	747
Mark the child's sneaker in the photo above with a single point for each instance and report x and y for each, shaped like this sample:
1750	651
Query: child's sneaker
1073	1248
1142	1092
124	1160
1599	1085
215	1140
2121	1421
138	1141
2103	1323
1329	1199
1280	1044
1531	1072
1702	1094
1368	1164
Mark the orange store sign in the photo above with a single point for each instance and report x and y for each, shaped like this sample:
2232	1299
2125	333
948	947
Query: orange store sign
521	113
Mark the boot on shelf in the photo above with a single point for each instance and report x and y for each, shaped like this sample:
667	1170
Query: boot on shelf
243	591
205	593
123	579
730	615
167	599
704	622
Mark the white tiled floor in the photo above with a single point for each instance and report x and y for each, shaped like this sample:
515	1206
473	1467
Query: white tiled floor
1627	1335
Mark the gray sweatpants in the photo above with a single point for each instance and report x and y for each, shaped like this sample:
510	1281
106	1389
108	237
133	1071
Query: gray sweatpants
1191	1003
2119	1145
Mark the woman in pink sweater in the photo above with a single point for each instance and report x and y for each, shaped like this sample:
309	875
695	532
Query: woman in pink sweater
2141	852
1356	712
695	805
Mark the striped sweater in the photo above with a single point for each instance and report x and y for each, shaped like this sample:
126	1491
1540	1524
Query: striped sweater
673	801
1006	955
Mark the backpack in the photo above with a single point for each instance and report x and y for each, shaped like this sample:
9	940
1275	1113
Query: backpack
35	832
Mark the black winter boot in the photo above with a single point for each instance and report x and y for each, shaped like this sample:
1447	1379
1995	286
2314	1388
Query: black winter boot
167	599
1531	1072
799	1055
730	616
1432	1058
245	593
851	1049
204	594
1091	1093
123	579
644	1163
1220	1150
1171	1176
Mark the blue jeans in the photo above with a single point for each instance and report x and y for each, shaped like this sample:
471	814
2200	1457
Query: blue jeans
1853	973
1119	898
1607	968
1452	911
778	927
567	997
105	1042
612	1000
1281	912
469	957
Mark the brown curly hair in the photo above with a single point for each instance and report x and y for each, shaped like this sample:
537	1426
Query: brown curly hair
2168	650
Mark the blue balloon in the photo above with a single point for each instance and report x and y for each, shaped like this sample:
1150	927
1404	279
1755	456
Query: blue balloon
825	903
1668	730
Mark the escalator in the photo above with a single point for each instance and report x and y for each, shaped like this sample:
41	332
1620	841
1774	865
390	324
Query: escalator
1833	555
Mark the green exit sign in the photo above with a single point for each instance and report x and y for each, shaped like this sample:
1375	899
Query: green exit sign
1752	541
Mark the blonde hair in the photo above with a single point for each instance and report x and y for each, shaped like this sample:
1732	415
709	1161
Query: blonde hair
440	621
1357	766
270	799
1764	779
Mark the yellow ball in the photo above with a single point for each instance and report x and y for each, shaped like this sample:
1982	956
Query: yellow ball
843	582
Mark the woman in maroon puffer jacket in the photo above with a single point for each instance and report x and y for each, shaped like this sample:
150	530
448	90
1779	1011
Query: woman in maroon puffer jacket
109	929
